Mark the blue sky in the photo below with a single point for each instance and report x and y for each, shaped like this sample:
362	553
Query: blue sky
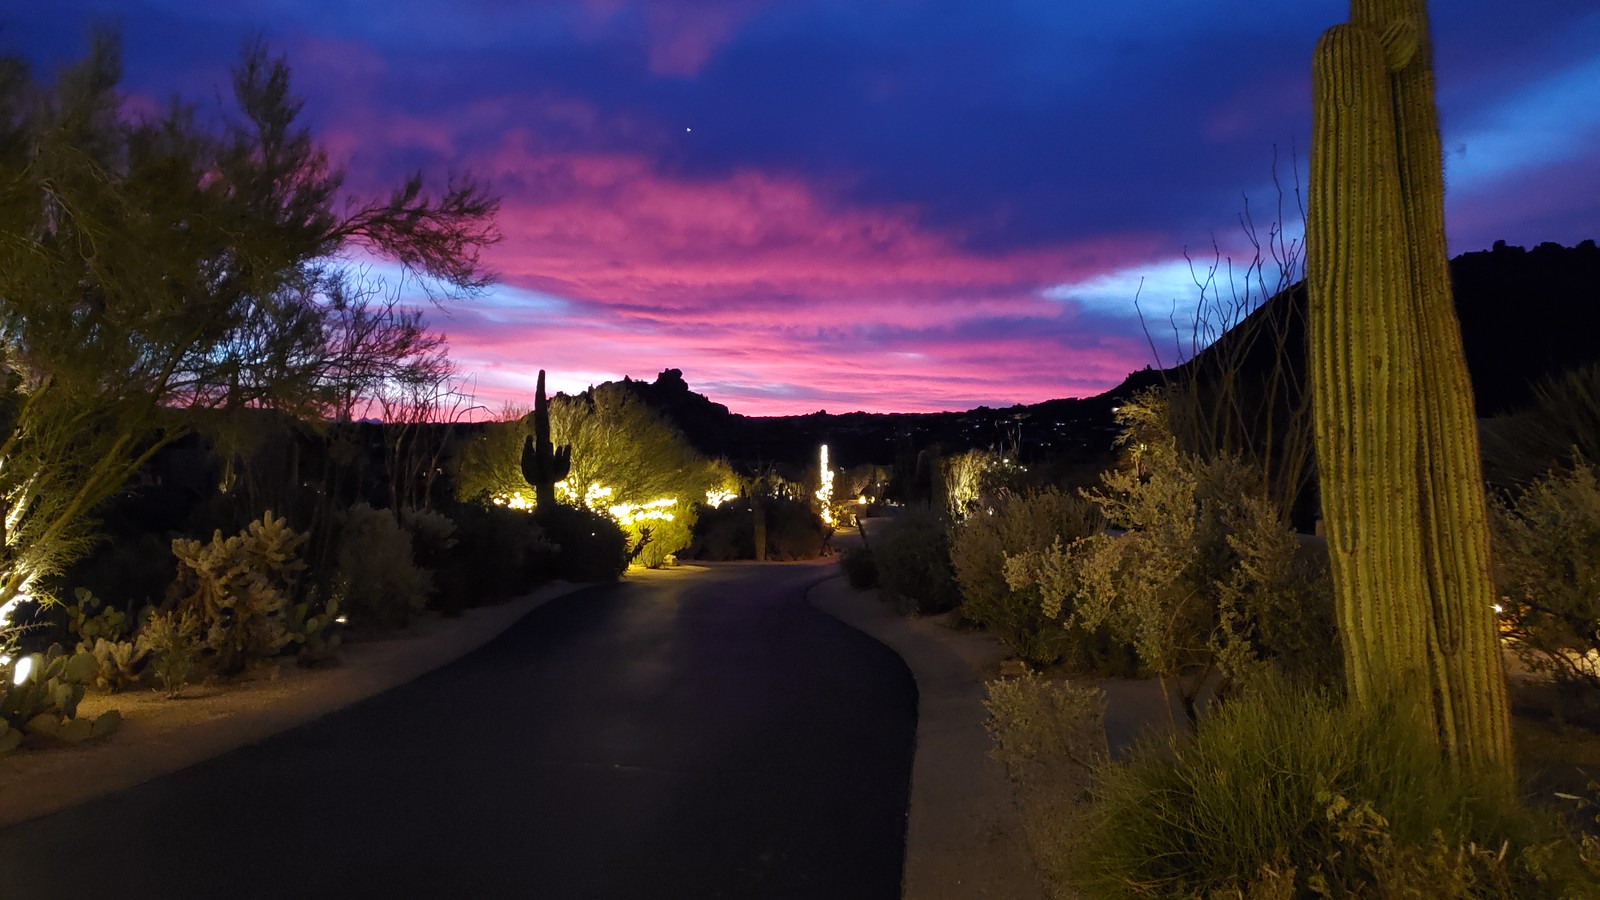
887	205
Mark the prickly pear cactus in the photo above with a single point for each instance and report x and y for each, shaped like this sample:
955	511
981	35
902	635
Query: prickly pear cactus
1402	491
46	703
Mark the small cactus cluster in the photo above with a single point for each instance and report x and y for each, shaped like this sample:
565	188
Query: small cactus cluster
1402	489
317	633
239	588
46	701
543	464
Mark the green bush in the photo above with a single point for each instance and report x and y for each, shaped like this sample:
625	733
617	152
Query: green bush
1286	793
1017	525
1547	569
859	568
1202	574
1050	735
591	546
173	640
433	535
377	577
667	537
913	557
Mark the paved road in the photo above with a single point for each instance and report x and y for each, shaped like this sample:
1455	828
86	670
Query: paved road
702	736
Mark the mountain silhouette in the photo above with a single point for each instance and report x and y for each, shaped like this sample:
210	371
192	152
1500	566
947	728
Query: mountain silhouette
1525	315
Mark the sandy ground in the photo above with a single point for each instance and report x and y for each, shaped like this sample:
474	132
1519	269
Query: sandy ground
159	736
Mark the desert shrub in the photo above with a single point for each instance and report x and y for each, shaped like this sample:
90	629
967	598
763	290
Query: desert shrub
1050	735
1290	793
237	589
433	534
1561	428
913	558
376	576
793	531
1040	721
591	545
656	537
1547	569
498	553
859	567
723	533
1202	575
173	641
1019	525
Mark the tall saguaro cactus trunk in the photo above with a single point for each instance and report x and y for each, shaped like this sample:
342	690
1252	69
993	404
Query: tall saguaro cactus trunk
1402	487
543	464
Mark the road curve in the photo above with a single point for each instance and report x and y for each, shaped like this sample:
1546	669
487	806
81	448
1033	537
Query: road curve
693	735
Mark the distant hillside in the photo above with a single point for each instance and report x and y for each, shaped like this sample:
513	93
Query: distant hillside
1525	314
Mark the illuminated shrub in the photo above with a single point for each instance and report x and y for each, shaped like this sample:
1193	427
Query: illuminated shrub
656	530
1284	793
1547	570
1203	576
1050	735
1017	525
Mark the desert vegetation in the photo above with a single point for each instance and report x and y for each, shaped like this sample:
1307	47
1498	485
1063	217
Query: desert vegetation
1347	727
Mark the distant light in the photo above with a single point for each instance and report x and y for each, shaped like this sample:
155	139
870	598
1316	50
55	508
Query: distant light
24	668
687	130
341	619
1499	609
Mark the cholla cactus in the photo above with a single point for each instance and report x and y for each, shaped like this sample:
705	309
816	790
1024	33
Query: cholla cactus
238	588
1402	491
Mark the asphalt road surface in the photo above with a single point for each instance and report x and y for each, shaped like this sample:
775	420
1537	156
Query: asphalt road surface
705	735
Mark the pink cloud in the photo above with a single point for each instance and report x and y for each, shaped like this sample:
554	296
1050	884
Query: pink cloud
680	36
775	294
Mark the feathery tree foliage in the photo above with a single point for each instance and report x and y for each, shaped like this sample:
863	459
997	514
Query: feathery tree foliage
154	266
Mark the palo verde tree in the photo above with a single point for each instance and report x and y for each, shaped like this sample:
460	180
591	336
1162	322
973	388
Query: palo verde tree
1397	448
152	267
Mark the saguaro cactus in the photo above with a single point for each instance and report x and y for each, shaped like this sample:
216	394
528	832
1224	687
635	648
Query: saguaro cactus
542	464
1402	489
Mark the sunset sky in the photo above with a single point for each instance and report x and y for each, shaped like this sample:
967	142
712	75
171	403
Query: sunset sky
885	205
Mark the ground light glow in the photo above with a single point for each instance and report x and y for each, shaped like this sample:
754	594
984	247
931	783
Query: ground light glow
23	669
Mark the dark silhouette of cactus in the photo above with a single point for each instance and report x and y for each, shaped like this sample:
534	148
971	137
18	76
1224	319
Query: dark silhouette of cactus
1402	490
542	464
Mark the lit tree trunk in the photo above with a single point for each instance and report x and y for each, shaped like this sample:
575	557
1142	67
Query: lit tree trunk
1402	489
